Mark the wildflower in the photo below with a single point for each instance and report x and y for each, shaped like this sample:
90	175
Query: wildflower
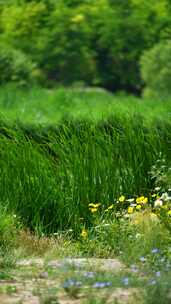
133	205
165	197
101	284
71	283
110	207
94	205
121	198
158	203
84	233
130	200
142	259
138	207
155	250
158	274
125	281
142	200
157	189
93	210
130	210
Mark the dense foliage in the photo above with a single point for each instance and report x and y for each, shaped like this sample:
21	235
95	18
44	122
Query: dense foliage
156	70
95	42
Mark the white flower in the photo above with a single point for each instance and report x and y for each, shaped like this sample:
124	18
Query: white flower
130	200
165	197
158	203
157	188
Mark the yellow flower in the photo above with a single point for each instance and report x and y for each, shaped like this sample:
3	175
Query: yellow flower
145	200
142	200
94	205
138	207
130	210
84	233
93	210
169	213
110	207
121	198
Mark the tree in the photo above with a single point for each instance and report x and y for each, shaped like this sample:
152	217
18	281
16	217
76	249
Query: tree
156	70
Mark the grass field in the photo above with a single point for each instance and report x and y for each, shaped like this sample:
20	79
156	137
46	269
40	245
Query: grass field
42	106
62	150
89	174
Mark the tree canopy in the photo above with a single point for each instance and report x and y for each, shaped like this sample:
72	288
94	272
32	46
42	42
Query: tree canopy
97	42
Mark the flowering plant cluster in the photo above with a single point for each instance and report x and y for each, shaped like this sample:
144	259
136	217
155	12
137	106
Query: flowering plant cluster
158	205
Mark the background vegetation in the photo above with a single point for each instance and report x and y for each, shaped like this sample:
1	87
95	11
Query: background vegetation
96	43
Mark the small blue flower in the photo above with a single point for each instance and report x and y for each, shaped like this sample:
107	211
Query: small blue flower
158	274
142	259
125	281
101	284
155	250
71	283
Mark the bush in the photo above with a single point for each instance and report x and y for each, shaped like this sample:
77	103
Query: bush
16	67
156	70
8	231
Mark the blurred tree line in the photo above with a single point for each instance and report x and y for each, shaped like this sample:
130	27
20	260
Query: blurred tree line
95	42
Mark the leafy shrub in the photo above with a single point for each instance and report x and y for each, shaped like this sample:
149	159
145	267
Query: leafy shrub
16	67
8	230
156	70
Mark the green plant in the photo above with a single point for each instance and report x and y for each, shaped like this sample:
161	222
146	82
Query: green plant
156	70
8	230
16	67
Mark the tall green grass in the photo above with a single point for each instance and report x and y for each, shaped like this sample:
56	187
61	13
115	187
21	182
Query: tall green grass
63	149
50	174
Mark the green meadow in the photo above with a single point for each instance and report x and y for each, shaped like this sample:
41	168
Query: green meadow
62	150
84	174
